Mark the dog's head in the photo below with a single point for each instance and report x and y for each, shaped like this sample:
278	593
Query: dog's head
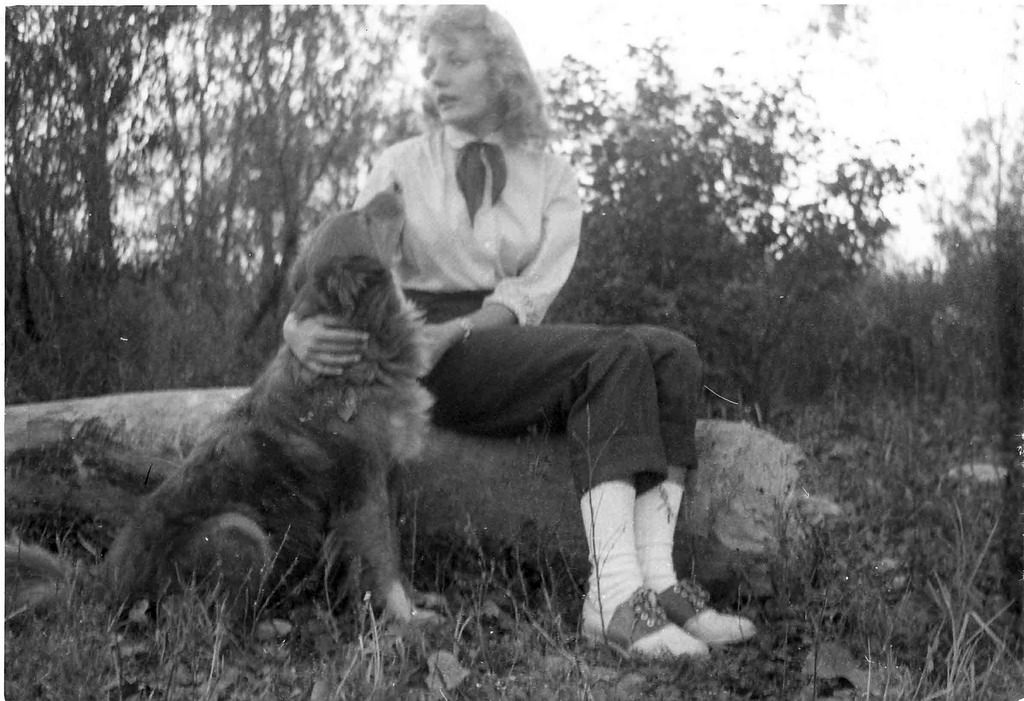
359	290
341	273
371	232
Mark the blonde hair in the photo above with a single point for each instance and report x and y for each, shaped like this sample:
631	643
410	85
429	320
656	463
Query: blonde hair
520	106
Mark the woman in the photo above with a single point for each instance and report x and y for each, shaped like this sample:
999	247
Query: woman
493	227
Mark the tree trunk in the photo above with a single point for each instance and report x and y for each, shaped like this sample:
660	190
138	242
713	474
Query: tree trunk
1010	316
23	300
737	518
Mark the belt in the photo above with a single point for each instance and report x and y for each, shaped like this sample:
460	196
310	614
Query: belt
443	306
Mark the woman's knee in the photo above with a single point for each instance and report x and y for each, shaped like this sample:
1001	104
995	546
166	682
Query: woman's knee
626	346
620	359
664	343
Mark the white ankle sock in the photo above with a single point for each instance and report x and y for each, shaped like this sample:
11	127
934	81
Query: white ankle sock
614	569
655	517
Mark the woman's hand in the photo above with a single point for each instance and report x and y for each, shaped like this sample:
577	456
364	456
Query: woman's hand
438	338
323	344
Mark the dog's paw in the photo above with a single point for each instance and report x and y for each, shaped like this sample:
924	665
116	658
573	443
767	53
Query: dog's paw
430	600
428	608
425	617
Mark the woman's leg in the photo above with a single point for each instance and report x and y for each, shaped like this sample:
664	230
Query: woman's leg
685	603
595	384
618	610
598	385
678	378
678	372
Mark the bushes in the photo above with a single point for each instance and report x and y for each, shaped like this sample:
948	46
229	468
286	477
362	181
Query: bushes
138	338
700	218
707	212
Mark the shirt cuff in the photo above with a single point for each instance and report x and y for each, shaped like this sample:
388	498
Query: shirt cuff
526	309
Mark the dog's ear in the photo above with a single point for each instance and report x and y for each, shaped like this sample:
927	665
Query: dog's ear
379	303
340	288
333	238
310	300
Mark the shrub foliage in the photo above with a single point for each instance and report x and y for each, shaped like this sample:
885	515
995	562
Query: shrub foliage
162	163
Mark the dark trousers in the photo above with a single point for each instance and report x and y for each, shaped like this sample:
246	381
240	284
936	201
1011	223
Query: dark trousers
625	396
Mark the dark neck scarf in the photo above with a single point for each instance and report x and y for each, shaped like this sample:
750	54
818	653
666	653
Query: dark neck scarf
471	173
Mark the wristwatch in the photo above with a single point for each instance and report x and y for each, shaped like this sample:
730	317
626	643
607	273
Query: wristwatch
467	328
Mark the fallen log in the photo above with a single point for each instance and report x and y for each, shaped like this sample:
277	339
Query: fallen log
744	503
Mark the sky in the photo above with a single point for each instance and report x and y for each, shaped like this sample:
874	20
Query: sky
914	72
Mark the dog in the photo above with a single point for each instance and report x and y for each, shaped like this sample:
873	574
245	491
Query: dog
300	472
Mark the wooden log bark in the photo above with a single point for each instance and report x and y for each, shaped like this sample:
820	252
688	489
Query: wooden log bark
743	504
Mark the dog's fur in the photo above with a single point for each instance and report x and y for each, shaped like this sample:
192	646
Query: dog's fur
298	473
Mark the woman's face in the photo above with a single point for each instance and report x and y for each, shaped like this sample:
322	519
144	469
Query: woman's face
457	83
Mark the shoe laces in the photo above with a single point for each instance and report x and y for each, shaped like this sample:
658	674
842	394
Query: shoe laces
696	595
647	612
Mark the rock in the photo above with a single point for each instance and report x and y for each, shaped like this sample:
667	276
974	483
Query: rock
743	501
445	672
978	472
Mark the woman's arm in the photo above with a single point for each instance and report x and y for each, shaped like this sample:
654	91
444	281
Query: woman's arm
441	337
525	298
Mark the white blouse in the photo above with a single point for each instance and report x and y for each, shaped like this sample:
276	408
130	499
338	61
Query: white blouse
523	247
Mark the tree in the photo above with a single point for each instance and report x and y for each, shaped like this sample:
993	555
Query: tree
1010	309
70	72
984	245
271	114
160	167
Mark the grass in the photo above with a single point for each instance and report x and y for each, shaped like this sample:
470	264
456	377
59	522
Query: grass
897	599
